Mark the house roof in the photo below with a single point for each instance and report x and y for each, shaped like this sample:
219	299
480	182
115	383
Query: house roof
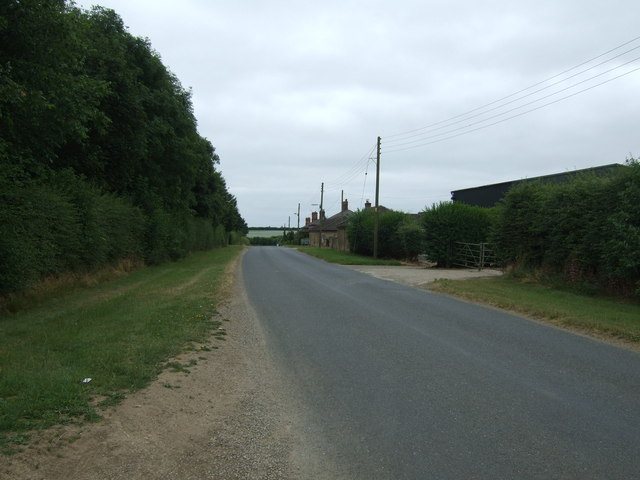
332	223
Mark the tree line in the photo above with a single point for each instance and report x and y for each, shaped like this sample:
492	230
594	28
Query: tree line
100	157
585	231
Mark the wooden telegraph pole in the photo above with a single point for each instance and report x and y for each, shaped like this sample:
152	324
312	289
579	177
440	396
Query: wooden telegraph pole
377	212
321	199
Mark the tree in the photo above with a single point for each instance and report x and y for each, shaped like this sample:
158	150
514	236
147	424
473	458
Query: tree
99	139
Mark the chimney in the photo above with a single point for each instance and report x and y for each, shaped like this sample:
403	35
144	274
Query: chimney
322	215
307	221
367	204
345	205
314	216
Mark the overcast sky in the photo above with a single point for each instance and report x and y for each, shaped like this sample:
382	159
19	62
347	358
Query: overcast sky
295	93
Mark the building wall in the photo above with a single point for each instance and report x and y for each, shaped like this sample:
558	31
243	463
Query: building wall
332	239
314	239
341	242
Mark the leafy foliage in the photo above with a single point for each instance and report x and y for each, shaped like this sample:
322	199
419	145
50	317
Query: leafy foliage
100	158
447	223
399	235
587	230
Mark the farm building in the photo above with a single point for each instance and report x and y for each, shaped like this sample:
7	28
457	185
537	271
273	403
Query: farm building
490	195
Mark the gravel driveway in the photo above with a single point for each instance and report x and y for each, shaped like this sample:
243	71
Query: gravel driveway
420	277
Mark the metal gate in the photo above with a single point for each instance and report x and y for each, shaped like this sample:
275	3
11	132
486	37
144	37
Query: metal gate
475	255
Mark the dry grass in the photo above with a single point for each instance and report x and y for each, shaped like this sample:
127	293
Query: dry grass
53	286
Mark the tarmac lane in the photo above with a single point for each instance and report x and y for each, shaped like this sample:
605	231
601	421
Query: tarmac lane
401	383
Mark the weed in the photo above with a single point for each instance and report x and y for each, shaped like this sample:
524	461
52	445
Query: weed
112	398
177	367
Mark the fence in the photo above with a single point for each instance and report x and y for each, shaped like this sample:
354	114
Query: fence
475	255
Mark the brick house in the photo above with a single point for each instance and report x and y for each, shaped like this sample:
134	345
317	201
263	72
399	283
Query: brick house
329	232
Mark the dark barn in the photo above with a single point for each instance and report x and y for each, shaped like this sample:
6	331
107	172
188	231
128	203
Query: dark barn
490	195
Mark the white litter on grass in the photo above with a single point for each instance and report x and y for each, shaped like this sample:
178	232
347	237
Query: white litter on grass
86	380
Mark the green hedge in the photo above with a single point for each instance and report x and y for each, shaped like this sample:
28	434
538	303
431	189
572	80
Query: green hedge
63	224
587	230
399	235
447	223
59	226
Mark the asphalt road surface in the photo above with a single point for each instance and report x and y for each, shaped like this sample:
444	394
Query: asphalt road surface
401	383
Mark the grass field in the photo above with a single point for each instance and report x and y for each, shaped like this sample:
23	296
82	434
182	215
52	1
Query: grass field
264	233
597	316
118	333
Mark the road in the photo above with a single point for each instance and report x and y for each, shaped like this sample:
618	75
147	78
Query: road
400	383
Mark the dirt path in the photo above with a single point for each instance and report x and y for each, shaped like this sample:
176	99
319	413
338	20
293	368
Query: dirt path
231	417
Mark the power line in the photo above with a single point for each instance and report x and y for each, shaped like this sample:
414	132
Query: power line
514	116
506	112
502	105
402	136
364	184
347	177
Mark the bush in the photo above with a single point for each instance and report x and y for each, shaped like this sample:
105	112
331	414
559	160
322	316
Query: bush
264	241
238	238
447	223
360	232
62	225
586	230
410	238
399	234
34	224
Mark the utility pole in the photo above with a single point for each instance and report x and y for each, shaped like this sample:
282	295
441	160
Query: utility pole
298	216
321	199
377	212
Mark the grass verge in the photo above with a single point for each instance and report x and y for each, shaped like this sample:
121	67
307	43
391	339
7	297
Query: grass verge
119	334
344	258
595	316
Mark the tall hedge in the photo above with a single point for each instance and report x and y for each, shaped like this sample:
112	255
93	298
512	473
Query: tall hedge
399	235
100	157
587	229
447	223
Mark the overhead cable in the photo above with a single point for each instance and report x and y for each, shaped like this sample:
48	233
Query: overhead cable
513	116
399	138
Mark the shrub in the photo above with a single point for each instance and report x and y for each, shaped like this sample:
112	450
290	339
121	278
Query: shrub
62	225
410	238
360	232
399	234
587	230
447	223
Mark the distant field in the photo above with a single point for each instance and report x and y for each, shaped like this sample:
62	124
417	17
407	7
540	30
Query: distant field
264	233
